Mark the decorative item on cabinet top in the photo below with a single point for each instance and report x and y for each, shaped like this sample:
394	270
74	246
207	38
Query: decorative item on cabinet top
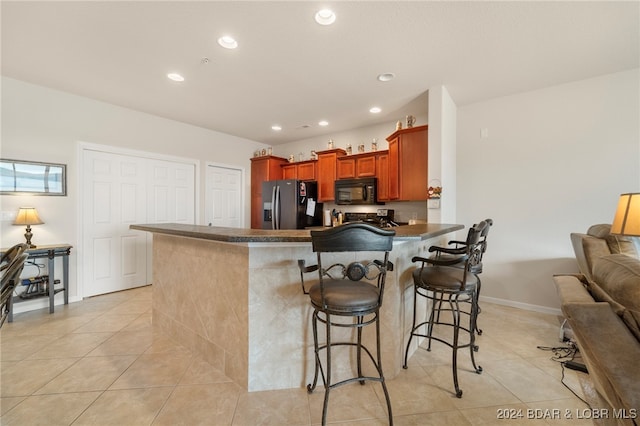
262	152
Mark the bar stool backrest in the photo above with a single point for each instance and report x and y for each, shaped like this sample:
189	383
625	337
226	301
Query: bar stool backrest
354	237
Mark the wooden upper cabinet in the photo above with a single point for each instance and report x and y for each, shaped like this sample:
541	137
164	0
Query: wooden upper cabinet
262	169
366	165
382	173
307	170
408	160
346	167
357	166
327	173
289	171
304	170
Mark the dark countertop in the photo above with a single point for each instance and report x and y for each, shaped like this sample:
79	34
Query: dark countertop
242	235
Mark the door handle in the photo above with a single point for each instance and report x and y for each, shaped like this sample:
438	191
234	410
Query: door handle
277	208
273	206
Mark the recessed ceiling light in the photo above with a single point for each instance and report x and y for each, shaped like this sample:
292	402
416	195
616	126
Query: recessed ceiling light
228	42
375	110
175	76
323	123
276	128
387	76
325	17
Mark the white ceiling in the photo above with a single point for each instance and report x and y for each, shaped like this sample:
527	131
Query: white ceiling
291	71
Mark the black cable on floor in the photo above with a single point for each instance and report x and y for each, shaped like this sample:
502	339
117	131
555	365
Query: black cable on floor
562	354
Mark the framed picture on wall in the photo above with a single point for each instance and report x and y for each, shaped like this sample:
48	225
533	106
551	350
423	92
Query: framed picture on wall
19	177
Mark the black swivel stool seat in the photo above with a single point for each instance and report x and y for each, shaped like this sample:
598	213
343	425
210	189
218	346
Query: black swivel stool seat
444	282
348	296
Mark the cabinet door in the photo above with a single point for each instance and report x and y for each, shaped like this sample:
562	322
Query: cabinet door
326	176
306	171
394	169
382	173
289	171
413	164
346	168
366	166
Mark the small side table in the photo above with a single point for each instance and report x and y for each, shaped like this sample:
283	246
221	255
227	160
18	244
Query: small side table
50	252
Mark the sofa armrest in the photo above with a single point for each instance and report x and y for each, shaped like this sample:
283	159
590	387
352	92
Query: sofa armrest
610	351
572	289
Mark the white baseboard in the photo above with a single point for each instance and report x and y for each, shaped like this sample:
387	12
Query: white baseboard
40	303
519	305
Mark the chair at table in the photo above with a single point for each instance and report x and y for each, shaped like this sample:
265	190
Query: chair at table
11	265
348	295
456	250
446	285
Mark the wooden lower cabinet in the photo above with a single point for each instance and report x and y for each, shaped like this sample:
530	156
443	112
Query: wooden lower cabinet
262	169
408	160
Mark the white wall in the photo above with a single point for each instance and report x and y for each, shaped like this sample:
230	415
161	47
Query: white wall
41	124
554	162
442	153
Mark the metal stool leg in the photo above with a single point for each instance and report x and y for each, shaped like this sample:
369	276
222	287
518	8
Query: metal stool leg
456	332
327	384
379	367
413	327
314	324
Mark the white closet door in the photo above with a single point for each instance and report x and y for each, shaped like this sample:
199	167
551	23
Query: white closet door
114	188
224	196
170	192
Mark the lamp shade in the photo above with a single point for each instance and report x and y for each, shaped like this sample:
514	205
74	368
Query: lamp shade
627	218
27	216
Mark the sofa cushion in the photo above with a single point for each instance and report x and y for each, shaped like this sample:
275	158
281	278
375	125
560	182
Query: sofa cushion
617	281
619	276
618	244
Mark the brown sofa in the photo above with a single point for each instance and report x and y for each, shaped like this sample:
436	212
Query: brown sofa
602	306
598	242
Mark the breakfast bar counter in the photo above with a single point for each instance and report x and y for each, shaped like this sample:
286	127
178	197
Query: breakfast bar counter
234	296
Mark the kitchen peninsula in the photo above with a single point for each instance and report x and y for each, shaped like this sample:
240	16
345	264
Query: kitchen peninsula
234	296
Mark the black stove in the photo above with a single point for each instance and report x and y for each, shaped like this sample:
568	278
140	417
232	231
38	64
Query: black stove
383	218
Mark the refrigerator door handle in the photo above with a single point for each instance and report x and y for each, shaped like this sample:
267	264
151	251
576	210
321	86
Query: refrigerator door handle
276	218
273	206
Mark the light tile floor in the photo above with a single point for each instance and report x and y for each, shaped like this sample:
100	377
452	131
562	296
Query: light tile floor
101	362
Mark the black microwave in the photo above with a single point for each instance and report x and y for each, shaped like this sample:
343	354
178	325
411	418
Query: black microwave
356	191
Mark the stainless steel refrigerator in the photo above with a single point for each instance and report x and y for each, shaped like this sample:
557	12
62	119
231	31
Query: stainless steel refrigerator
290	204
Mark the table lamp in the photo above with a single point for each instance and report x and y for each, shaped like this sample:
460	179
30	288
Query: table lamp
28	216
627	218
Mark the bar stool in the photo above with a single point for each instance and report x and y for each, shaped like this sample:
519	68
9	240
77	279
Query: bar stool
442	282
11	265
456	250
348	296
